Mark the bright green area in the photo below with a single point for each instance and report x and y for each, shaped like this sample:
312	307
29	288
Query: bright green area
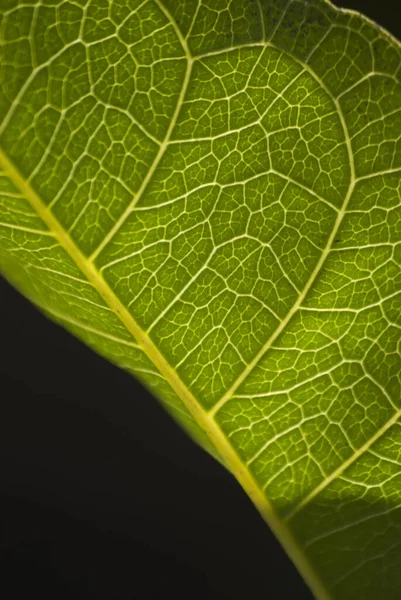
230	170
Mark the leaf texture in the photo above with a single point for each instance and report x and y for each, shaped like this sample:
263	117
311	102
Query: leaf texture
207	192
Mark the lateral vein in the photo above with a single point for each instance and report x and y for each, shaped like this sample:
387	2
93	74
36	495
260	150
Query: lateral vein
203	419
320	262
158	158
343	467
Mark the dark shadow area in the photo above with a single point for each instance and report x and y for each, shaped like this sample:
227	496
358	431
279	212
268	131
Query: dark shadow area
61	556
103	496
386	12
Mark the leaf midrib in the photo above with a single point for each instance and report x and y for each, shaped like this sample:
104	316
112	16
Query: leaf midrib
96	277
87	265
205	420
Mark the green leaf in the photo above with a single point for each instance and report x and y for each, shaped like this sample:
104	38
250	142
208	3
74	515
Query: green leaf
207	192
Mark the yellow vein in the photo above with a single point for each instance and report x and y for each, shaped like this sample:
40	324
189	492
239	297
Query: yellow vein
204	420
318	266
319	488
158	158
177	30
26	229
262	20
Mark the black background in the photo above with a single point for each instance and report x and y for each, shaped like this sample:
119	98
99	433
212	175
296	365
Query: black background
101	494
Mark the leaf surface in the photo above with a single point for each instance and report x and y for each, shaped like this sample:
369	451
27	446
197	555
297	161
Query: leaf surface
208	194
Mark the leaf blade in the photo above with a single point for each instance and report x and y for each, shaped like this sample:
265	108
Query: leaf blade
241	365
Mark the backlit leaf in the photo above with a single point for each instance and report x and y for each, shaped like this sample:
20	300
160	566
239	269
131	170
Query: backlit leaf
207	192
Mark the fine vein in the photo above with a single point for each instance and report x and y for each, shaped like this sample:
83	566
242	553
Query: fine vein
204	420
